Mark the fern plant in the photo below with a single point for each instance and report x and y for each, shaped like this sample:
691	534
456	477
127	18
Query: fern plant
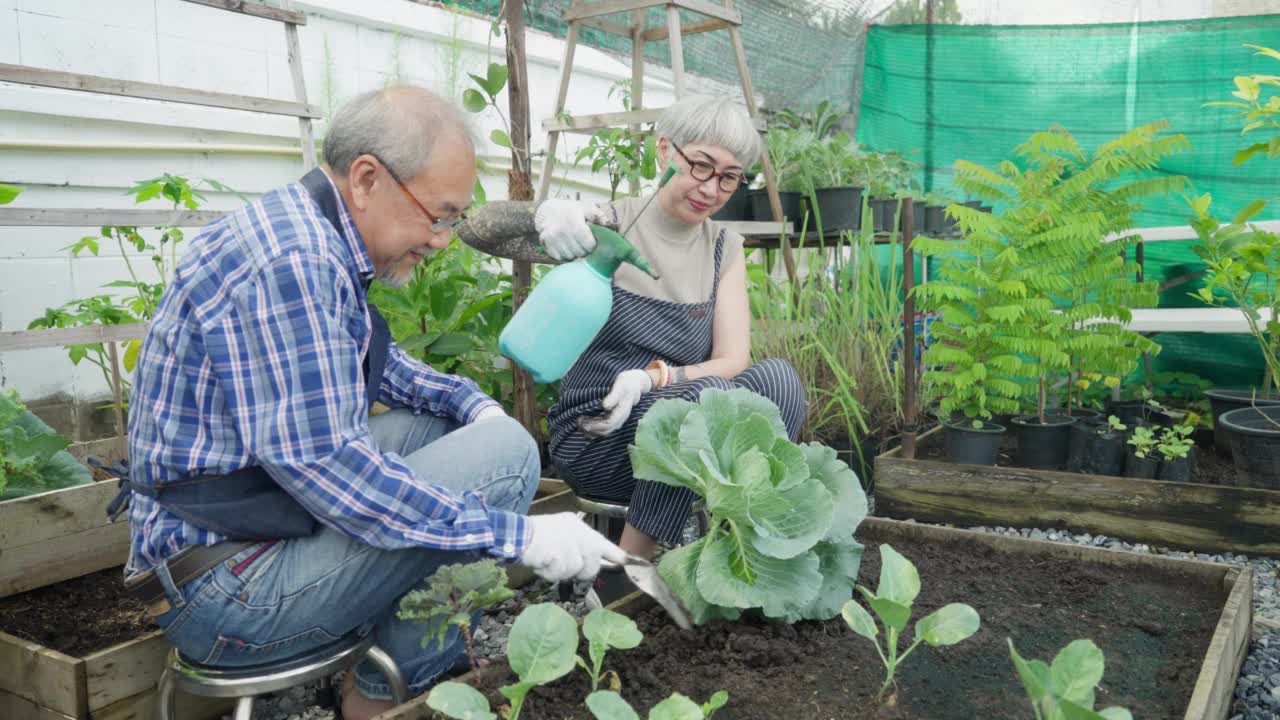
1061	294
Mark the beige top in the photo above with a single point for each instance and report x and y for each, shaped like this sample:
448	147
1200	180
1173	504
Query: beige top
683	255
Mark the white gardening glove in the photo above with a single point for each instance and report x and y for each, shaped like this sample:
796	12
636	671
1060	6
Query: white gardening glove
626	392
563	547
492	411
562	228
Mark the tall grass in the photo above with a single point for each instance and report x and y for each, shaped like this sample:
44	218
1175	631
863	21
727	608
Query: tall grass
842	331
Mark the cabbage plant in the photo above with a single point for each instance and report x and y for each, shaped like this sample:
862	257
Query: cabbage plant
1065	690
782	515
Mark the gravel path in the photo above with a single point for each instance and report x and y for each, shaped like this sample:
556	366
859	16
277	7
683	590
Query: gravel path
1257	689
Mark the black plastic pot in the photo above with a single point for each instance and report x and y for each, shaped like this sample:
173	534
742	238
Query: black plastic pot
973	446
917	219
1087	414
1180	470
840	208
1043	446
791	206
1078	443
1255	444
1142	468
975	204
1138	412
936	222
882	213
738	207
1094	450
1222	400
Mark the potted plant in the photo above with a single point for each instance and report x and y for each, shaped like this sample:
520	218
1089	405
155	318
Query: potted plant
1141	461
1244	270
837	197
789	152
1097	446
1177	453
936	221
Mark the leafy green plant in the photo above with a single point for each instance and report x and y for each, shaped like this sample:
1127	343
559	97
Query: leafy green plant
1175	442
623	153
541	648
1243	259
453	594
1065	690
891	602
609	705
32	457
1114	425
1143	441
143	295
605	629
9	193
782	515
1034	293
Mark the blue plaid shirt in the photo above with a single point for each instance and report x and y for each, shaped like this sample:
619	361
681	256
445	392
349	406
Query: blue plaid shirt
254	358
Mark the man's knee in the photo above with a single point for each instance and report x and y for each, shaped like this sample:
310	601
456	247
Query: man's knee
513	452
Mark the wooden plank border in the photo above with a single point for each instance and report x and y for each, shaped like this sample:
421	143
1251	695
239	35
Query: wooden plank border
42	676
255	9
97	217
1188	515
57	337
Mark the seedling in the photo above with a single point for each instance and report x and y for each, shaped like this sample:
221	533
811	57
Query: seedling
1143	441
891	602
606	629
453	595
1113	425
1065	690
1175	442
542	648
608	705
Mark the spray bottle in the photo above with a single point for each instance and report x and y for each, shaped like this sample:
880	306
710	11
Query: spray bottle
563	314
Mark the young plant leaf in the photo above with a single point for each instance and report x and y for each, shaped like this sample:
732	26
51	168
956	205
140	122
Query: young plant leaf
1076	671
8	193
609	705
676	707
717	701
605	630
459	701
500	138
473	101
948	625
859	620
543	643
899	579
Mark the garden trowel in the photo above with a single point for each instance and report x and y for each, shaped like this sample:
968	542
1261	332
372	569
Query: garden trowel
645	576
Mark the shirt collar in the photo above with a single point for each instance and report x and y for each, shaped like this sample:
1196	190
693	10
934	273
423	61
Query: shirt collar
355	243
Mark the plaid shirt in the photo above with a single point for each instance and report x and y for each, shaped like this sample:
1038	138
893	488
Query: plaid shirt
254	358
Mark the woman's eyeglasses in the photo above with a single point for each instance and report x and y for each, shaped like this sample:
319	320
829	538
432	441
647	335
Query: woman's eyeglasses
704	171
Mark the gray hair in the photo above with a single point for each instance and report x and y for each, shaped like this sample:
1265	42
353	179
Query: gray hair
712	120
399	125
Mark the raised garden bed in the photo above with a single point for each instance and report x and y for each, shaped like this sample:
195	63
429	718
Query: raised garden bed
1199	516
1174	632
60	574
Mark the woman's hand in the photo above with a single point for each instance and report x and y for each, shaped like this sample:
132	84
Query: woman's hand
626	392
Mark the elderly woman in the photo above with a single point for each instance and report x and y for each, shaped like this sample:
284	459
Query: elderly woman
673	337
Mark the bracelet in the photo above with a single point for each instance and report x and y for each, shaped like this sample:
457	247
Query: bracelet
664	373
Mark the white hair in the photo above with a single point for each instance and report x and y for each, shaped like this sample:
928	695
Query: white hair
712	120
399	125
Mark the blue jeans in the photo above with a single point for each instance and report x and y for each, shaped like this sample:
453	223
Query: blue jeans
294	596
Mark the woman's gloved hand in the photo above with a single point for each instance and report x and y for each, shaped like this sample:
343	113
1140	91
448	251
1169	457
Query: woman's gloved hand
561	547
626	392
562	227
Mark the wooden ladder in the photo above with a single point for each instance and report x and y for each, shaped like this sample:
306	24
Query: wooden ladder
717	17
73	217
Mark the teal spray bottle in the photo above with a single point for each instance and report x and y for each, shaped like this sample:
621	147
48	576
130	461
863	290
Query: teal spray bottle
563	314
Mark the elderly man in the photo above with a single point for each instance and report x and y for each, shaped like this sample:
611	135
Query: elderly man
270	514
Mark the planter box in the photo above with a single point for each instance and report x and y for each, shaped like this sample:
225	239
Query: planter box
1175	514
1214	680
67	529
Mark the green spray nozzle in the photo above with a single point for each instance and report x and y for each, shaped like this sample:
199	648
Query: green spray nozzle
671	172
612	250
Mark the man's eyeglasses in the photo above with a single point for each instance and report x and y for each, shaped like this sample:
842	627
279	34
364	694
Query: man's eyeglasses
704	171
437	224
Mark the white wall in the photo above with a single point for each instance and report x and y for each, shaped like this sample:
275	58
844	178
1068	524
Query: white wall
72	149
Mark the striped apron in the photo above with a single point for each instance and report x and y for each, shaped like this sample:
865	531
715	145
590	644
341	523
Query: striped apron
640	330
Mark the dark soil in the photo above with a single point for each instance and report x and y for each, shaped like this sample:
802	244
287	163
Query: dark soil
1211	468
1154	631
77	617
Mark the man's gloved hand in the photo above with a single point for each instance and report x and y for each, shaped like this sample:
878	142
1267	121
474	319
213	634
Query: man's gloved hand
562	228
563	547
626	392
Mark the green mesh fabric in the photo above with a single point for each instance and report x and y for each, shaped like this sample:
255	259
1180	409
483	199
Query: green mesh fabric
992	87
798	54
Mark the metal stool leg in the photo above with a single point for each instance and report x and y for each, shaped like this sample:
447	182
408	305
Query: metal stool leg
244	708
164	696
383	661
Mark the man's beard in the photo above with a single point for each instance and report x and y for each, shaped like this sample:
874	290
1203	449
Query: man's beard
391	276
